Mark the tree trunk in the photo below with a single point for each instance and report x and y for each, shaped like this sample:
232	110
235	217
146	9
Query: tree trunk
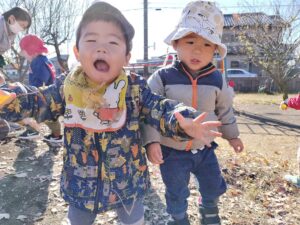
62	63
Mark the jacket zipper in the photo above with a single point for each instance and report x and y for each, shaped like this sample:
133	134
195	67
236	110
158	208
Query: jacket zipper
99	182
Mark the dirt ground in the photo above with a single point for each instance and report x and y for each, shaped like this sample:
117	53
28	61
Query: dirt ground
257	192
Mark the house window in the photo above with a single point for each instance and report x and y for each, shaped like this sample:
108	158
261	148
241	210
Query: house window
235	64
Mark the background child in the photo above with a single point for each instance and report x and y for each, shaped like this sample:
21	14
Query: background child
291	103
105	166
295	104
41	73
195	81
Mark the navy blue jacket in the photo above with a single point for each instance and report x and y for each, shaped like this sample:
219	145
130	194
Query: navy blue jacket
42	72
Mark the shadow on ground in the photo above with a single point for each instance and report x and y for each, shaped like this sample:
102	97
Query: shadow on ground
24	191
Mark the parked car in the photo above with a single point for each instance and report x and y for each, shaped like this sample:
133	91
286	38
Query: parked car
239	73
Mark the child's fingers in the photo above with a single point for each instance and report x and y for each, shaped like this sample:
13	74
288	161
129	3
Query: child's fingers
208	124
212	124
201	117
179	117
206	142
215	133
158	158
239	148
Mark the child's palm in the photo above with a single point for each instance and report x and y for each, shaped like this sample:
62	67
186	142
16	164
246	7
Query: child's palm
198	129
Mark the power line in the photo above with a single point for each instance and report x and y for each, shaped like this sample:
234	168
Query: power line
222	7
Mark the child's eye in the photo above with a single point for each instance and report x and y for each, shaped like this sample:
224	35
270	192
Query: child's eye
90	40
190	42
114	43
207	45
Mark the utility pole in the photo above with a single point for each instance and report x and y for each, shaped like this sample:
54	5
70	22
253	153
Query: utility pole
146	38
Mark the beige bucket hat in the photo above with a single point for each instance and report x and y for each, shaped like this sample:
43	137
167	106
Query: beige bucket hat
204	19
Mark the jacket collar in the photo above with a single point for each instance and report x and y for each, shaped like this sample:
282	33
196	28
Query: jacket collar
209	68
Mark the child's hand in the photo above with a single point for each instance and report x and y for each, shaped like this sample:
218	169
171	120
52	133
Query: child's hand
154	153
198	129
283	105
6	97
237	145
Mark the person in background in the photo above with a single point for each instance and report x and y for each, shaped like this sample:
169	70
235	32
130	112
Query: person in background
195	81
41	74
293	103
104	163
12	22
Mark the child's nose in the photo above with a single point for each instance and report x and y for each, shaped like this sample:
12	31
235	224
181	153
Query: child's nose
101	49
198	48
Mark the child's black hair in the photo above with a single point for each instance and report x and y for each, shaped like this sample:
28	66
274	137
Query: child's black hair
102	11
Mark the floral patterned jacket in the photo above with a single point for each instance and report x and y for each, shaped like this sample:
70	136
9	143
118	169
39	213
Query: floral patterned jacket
102	170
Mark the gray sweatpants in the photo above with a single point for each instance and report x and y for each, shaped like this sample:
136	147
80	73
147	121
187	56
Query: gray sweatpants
135	217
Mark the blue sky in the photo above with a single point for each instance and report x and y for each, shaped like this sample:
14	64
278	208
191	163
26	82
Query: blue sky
162	22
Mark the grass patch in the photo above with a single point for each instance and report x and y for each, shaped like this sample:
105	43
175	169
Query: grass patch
259	98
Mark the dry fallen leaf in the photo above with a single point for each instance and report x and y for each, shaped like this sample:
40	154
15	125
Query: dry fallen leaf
20	175
21	217
4	216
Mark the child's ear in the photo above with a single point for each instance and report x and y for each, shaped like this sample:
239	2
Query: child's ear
128	56
76	52
174	45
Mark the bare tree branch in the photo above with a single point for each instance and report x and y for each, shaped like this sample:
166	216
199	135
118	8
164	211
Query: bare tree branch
271	41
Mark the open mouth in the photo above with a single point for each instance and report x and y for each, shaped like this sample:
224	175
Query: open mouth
101	65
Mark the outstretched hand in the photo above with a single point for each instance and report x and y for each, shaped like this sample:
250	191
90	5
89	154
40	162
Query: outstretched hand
198	129
6	97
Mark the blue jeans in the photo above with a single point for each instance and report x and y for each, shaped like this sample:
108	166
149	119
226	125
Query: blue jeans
176	172
128	216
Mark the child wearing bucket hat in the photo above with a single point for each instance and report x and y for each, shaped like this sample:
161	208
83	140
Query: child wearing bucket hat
41	73
105	165
195	81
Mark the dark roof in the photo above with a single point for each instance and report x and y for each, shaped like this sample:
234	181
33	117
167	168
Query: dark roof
248	19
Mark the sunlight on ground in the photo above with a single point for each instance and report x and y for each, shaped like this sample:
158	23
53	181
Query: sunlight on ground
259	98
